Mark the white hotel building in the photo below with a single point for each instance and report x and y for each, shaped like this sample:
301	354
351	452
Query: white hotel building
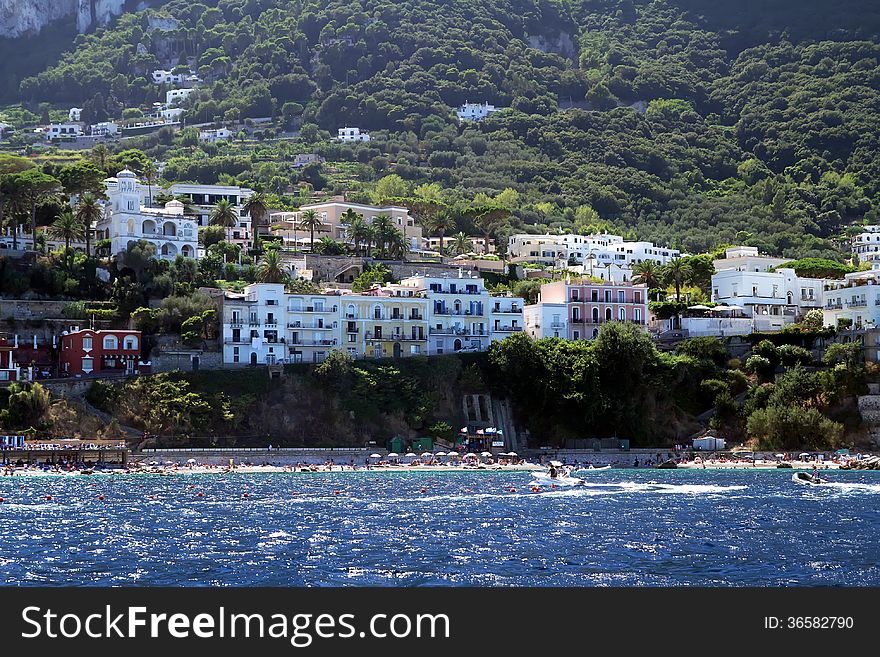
586	250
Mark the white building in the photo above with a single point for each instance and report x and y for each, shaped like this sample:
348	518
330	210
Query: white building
854	301
475	111
127	221
172	113
351	134
104	129
161	76
205	197
586	250
462	315
63	131
866	244
74	114
771	299
176	96
747	258
219	134
544	320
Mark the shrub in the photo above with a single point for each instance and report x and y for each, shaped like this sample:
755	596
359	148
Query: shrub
792	355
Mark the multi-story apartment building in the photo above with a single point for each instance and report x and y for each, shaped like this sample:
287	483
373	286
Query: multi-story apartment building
570	249
866	244
853	301
126	221
86	351
203	198
391	321
421	315
462	315
588	306
546	320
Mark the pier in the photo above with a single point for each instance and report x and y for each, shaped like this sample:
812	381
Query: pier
85	454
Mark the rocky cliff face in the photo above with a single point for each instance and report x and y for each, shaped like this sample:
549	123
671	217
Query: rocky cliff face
28	17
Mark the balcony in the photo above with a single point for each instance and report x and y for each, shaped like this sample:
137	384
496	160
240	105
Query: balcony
313	343
239	341
236	323
459	313
507	311
556	325
352	329
507	329
315	327
271	325
396	337
450	330
834	306
856	303
314	309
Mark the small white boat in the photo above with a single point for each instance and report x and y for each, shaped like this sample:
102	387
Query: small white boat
592	468
809	479
556	475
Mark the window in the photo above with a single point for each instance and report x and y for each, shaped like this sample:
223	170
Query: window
352	337
87	344
637	315
577	335
621	314
621	298
88	364
637	296
607	296
131	342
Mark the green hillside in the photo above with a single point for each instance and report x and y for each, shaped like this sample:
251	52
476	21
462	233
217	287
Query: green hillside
683	121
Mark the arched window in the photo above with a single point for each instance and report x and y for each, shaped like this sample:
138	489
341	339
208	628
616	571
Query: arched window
456	346
595	315
111	342
131	342
168	228
621	314
148	227
457	306
608	314
131	226
377	311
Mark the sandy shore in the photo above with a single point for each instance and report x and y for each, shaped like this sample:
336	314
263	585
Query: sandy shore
711	464
255	469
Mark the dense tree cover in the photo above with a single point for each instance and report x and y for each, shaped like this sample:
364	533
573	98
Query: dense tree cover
685	122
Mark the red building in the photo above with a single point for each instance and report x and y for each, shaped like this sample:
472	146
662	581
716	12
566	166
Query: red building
88	352
9	370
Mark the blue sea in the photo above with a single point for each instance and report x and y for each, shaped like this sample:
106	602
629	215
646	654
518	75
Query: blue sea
626	528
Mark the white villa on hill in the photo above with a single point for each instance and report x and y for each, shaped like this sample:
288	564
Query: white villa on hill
351	134
126	221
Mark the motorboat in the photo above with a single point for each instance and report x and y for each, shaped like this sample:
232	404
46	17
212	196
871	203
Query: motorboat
592	468
557	475
807	478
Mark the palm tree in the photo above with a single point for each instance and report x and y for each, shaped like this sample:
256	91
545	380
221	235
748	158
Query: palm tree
384	228
224	214
257	207
311	221
649	273
369	238
439	223
149	174
675	272
99	156
461	244
355	233
68	228
397	245
271	268
88	211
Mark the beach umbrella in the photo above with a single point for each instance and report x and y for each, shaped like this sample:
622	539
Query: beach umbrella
411	455
512	454
169	462
698	307
375	456
426	455
190	460
393	455
556	464
779	456
486	454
